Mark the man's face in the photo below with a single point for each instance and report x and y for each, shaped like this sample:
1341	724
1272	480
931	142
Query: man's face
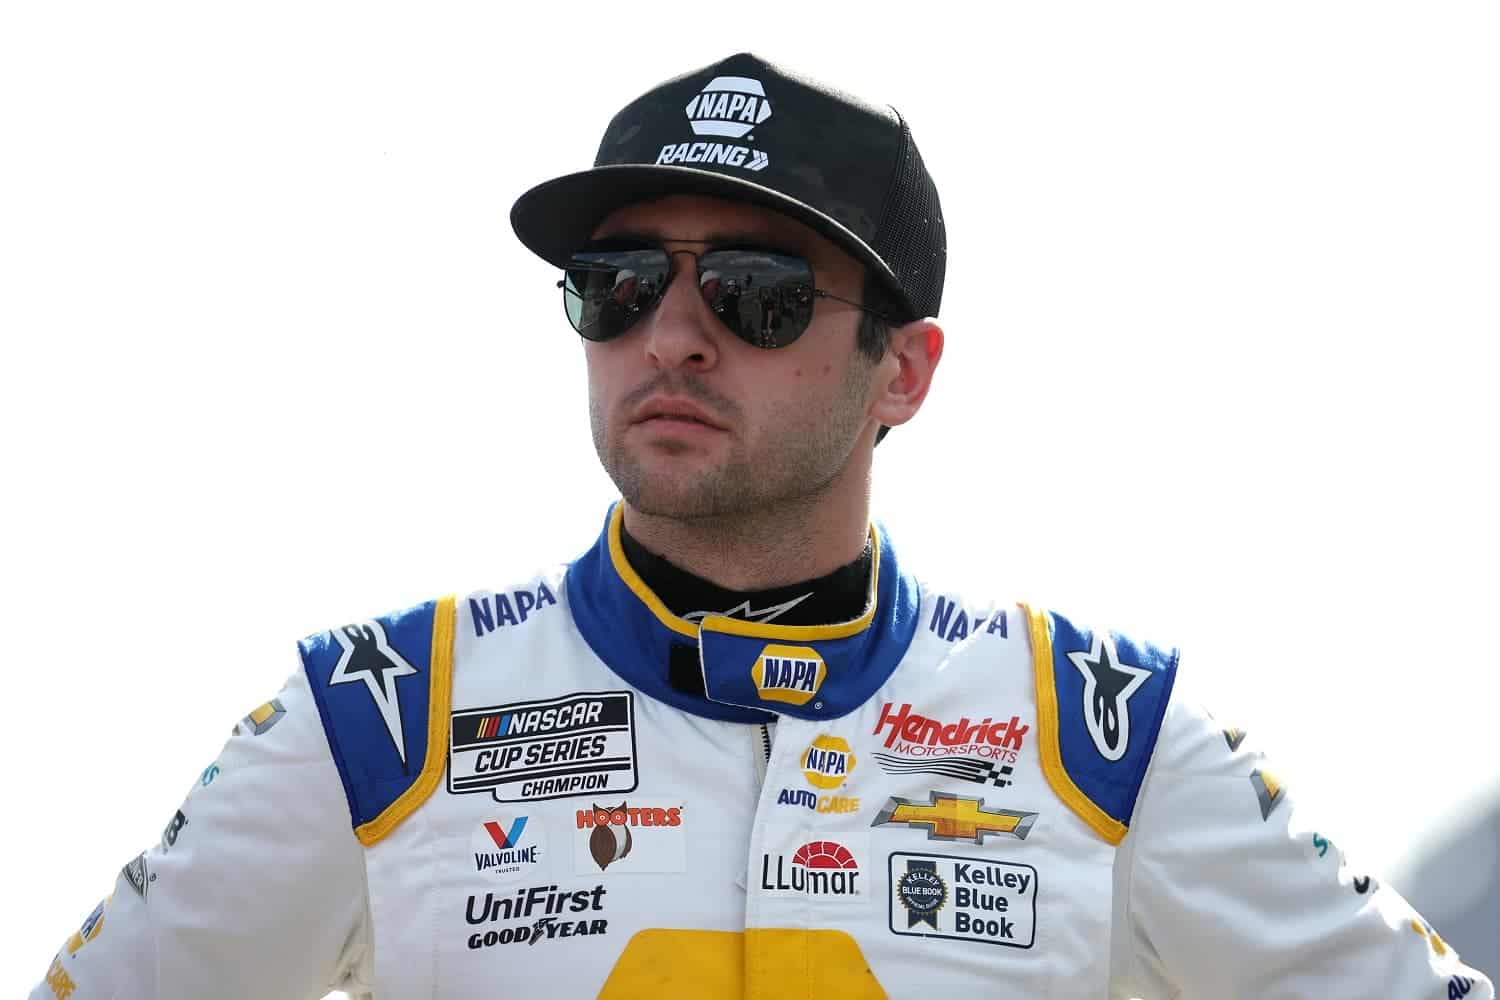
692	422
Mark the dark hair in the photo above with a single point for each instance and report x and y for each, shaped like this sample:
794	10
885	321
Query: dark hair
874	335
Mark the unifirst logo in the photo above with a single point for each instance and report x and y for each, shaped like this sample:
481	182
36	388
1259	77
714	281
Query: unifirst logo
791	674
729	106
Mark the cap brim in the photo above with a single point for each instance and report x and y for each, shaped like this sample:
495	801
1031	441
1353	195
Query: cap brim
557	217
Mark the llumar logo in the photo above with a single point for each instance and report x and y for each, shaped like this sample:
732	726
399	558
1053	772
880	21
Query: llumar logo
955	817
792	674
729	106
817	868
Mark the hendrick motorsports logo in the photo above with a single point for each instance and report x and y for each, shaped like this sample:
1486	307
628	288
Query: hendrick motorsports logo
933	895
729	106
574	745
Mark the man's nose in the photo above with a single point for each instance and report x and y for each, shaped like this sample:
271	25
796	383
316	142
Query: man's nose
679	332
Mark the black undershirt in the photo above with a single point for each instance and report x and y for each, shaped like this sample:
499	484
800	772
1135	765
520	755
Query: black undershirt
839	596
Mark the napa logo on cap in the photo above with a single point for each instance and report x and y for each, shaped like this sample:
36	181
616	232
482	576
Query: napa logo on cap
827	762
729	106
791	674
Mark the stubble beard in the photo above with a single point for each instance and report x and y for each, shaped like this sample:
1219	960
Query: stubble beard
788	470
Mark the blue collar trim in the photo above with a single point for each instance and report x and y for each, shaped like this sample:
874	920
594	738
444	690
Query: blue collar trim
752	672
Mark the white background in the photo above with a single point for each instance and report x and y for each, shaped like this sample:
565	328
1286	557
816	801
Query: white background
1220	313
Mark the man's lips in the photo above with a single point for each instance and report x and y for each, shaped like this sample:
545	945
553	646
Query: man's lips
668	412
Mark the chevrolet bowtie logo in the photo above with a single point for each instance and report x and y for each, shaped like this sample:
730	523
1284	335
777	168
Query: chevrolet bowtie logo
955	817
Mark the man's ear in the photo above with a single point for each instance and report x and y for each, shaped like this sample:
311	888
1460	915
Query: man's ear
915	349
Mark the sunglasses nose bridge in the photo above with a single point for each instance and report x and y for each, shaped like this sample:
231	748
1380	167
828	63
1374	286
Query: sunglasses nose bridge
680	330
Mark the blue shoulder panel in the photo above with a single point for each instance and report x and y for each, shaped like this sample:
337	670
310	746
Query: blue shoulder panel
1105	696
373	685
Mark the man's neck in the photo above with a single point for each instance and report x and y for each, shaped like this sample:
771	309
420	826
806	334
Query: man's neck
800	540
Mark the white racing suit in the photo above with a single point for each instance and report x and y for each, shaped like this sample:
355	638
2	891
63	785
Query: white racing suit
501	795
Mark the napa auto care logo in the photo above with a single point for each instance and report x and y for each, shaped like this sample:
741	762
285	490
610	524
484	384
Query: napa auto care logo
508	847
729	107
790	674
633	836
824	868
826	764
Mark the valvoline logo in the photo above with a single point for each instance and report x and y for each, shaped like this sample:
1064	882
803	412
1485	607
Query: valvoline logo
508	847
791	674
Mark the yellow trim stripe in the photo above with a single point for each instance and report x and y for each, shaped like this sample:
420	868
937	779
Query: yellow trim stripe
1105	825
638	586
439	702
735	626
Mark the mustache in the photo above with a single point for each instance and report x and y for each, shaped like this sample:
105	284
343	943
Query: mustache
684	385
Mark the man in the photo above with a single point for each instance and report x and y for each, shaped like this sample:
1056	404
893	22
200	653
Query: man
737	748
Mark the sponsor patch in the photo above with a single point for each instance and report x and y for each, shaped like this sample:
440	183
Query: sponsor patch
827	869
988	902
508	847
915	736
633	836
260	721
946	816
59	981
173	831
1107	687
579	744
138	873
728	107
90	929
790	674
826	764
535	914
367	656
1269	791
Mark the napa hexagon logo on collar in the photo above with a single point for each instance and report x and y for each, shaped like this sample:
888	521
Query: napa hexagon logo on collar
790	674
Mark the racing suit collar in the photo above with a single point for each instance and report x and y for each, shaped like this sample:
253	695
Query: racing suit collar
752	671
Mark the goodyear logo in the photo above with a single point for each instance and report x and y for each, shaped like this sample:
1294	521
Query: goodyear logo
827	762
791	674
729	106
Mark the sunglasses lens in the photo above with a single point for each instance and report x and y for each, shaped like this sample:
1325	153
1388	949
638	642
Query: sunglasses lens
606	291
765	299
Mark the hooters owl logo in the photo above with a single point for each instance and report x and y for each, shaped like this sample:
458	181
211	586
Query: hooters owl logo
633	838
609	842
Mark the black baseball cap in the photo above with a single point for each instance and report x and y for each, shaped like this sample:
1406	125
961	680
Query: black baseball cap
749	130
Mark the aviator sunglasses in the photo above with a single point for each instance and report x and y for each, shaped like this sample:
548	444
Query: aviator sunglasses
762	297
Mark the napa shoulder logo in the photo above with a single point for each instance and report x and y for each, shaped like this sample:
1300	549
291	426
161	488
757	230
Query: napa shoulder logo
729	107
790	674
